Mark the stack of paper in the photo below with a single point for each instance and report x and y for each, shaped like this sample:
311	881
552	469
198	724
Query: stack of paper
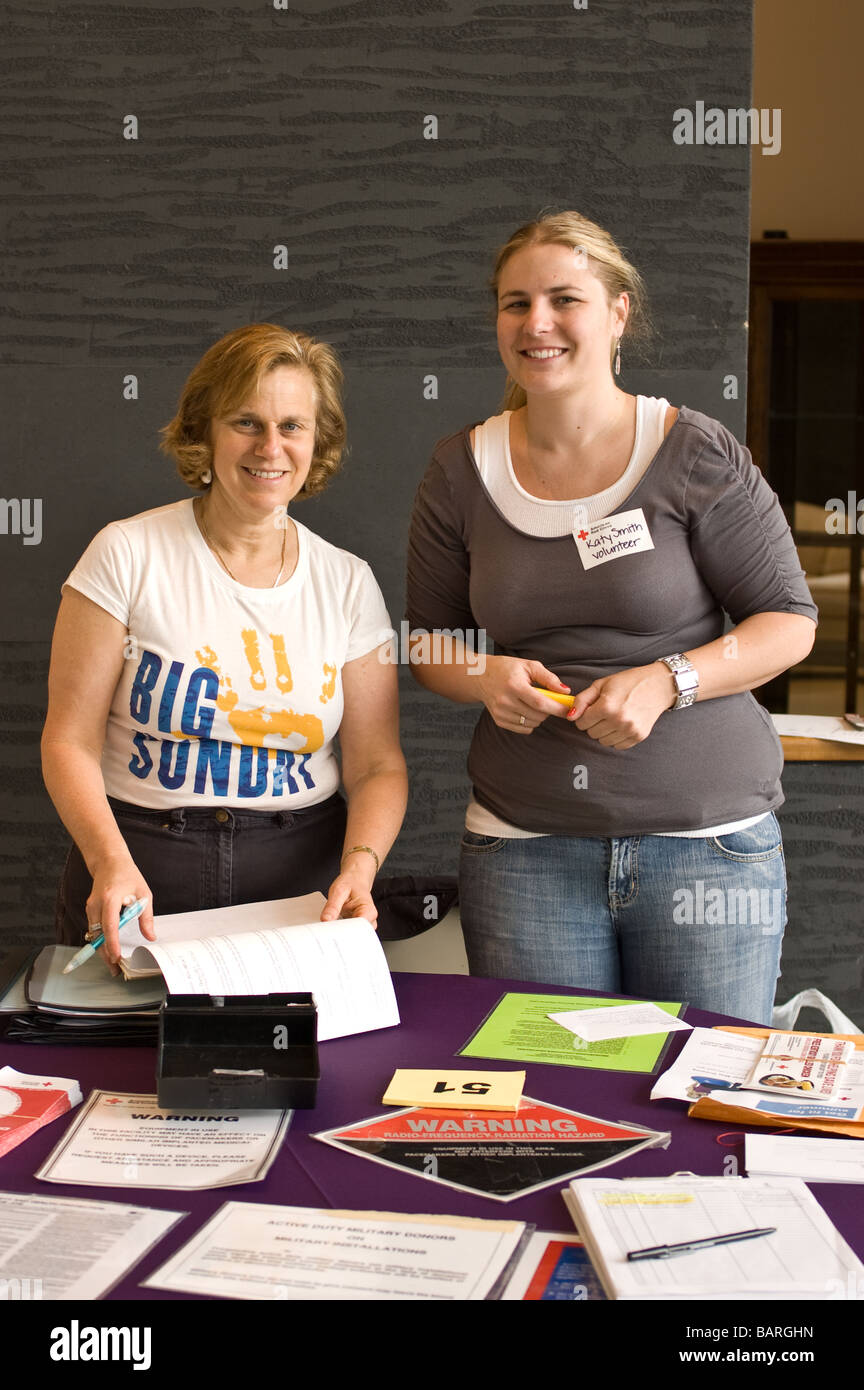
805	1257
91	1005
273	947
29	1102
253	948
712	1069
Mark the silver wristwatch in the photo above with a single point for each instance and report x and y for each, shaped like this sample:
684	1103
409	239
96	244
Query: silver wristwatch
686	678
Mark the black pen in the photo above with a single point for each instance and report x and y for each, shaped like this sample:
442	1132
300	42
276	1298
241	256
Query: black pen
665	1252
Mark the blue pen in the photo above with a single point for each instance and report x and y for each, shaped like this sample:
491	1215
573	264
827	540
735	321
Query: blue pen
127	915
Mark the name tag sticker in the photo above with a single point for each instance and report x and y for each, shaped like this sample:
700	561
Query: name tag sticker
611	537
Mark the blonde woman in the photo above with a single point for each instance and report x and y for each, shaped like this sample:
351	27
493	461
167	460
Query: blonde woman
627	842
207	656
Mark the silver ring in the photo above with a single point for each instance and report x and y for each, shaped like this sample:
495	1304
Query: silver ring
522	719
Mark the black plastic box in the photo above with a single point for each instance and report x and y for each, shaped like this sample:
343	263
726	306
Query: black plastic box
238	1052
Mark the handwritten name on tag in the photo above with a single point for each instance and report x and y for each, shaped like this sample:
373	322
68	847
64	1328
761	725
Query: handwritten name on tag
611	537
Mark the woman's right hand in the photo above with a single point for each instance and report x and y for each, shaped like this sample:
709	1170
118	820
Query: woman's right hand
116	884
507	689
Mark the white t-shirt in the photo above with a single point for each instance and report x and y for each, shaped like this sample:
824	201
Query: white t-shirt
230	696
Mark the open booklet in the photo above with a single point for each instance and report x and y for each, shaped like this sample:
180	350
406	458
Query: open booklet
269	948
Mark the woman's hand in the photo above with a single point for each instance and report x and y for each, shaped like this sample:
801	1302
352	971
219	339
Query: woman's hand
375	781
116	884
507	689
351	893
621	710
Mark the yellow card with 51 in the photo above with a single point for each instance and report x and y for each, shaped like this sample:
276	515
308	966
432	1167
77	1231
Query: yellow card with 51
456	1090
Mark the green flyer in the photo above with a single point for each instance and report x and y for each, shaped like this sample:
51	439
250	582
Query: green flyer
518	1030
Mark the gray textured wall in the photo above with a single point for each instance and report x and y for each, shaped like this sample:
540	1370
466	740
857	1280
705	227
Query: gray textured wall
304	127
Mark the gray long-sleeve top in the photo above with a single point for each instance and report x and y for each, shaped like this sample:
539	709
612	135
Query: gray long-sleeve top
721	543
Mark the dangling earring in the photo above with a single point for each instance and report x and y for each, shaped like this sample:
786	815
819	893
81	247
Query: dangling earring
206	478
617	356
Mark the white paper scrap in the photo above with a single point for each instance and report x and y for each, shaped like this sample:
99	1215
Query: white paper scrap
799	1156
619	1021
817	726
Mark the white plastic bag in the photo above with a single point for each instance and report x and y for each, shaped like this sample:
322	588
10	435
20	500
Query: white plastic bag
785	1015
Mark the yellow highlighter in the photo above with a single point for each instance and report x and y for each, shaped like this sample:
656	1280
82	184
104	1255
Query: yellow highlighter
568	700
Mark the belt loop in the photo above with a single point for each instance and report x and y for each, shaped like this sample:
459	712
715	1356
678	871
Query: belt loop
177	820
284	818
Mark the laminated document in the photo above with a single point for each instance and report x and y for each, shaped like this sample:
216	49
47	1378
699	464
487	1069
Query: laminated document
122	1140
301	1254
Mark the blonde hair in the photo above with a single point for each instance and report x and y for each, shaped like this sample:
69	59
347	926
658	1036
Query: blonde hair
605	259
231	371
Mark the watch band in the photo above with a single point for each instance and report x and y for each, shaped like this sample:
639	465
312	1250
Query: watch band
686	679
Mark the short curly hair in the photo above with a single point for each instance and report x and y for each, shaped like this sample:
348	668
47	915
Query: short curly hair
229	372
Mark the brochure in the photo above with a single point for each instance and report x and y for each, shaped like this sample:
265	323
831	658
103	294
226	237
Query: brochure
29	1102
711	1070
801	1062
554	1268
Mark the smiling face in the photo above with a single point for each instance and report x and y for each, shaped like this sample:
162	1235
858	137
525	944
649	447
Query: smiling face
262	451
556	325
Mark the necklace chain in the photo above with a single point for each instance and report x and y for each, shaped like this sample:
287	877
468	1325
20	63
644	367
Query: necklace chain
224	563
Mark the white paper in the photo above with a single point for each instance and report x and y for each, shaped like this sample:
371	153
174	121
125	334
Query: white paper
618	1021
799	1156
817	726
806	1257
218	921
341	963
122	1140
72	1248
256	1251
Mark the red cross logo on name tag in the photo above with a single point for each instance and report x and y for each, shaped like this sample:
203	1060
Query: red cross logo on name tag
613	537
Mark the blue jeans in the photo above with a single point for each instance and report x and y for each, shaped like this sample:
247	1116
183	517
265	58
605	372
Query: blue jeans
194	858
699	921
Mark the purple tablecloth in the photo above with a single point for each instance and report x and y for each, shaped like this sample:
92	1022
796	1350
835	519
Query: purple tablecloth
439	1013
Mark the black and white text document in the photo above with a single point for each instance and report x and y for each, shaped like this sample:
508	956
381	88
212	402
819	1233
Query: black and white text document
71	1248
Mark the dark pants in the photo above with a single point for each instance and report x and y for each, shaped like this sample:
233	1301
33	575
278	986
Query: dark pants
217	857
